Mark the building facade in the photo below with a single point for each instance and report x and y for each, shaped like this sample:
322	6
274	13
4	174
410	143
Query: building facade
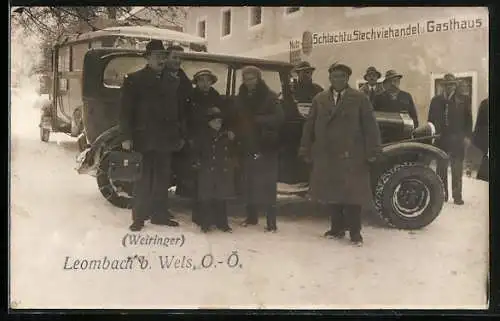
422	43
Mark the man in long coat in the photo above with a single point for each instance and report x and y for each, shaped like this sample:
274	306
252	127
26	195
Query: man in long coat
151	124
341	137
259	119
450	116
480	139
372	87
395	100
304	91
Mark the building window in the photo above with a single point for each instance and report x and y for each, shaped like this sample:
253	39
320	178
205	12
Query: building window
467	86
255	16
202	28
64	59
226	23
290	10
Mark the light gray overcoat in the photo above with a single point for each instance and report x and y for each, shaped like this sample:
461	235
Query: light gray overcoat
340	140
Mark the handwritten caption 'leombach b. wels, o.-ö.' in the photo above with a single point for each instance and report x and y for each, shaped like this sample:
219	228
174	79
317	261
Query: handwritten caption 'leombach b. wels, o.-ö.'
164	262
136	240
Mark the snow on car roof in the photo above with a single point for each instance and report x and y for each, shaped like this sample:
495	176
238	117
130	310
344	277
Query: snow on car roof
148	32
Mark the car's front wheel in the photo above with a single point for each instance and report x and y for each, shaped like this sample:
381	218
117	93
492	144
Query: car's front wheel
409	196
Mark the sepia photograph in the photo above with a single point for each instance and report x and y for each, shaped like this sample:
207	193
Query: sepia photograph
237	157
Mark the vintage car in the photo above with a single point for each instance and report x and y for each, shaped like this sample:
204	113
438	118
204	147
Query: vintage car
407	192
63	113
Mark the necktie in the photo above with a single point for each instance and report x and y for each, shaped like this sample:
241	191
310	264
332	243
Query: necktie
337	100
372	94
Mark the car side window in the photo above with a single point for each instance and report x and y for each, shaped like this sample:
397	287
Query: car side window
117	68
270	77
191	67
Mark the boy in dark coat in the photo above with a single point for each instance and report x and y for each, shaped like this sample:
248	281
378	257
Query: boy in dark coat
212	139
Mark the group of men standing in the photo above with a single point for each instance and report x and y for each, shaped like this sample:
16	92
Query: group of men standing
449	115
163	111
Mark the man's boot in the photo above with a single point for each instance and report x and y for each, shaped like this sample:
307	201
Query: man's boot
252	216
136	226
221	214
337	229
353	215
271	219
196	212
205	218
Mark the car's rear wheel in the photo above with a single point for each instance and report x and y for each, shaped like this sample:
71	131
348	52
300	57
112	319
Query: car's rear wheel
82	142
44	134
409	196
117	193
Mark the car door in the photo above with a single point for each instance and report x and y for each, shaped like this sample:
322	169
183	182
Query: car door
104	73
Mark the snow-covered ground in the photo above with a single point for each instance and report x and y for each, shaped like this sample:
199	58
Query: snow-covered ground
58	217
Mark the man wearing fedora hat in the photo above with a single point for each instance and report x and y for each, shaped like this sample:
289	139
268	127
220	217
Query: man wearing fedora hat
151	124
395	100
209	125
340	138
450	116
372	87
306	89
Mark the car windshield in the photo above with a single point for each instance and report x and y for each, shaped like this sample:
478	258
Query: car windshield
117	68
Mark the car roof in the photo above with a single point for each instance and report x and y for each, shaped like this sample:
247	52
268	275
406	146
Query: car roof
209	57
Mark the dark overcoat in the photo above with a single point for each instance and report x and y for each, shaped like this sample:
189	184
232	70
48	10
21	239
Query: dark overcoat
452	119
259	117
212	151
305	92
340	140
150	114
403	102
480	137
379	89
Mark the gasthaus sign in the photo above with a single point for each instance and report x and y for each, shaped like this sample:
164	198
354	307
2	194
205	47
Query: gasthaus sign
429	26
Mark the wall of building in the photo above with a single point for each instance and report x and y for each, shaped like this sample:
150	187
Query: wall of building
420	58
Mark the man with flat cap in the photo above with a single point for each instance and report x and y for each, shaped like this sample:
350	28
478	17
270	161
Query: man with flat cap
372	87
151	125
395	100
450	116
341	138
305	89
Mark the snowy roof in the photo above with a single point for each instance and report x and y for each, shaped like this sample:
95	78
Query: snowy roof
148	32
154	32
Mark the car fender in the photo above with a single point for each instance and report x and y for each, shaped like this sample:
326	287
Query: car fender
400	150
91	157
